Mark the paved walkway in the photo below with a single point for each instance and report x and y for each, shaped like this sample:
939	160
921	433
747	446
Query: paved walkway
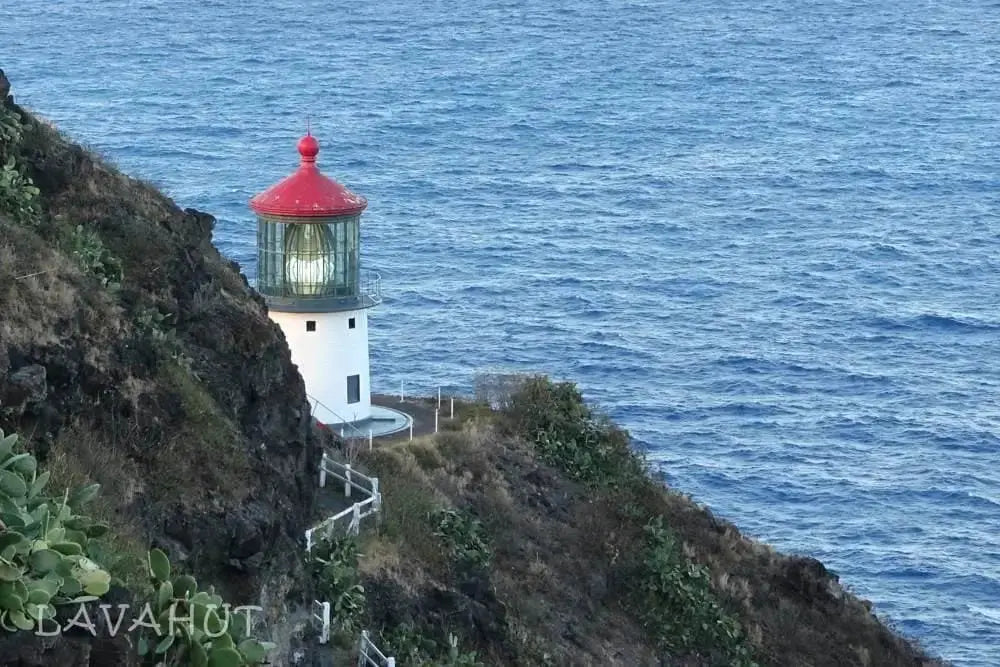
420	409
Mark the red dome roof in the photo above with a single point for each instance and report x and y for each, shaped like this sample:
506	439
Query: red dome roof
308	193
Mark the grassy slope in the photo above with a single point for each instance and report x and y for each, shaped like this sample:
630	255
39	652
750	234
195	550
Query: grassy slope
564	585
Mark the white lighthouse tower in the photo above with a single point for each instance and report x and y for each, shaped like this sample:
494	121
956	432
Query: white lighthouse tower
309	272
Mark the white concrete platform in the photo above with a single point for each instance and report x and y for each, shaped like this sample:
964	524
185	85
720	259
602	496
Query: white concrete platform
383	421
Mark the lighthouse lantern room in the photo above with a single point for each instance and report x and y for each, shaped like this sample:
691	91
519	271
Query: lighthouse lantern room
309	272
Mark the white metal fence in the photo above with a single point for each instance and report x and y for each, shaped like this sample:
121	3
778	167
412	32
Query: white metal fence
369	655
351	517
321	613
445	404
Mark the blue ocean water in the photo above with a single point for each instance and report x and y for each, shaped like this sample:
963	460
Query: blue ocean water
763	235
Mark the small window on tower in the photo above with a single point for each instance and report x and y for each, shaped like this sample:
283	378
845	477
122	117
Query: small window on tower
353	388
310	325
351	323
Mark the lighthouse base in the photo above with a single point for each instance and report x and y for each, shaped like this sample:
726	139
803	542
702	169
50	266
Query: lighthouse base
331	351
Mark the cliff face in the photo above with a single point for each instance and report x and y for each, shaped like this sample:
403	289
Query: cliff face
132	354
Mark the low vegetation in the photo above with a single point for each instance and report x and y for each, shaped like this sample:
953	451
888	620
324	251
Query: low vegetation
44	543
48	559
410	646
537	534
676	604
336	578
463	537
18	194
94	258
195	627
672	595
334	568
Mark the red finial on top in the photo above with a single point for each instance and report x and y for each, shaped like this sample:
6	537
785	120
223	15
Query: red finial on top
308	148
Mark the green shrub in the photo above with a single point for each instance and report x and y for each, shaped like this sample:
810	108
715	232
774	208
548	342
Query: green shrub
157	331
673	596
411	646
44	544
195	627
464	537
571	436
10	132
18	194
677	606
334	566
86	247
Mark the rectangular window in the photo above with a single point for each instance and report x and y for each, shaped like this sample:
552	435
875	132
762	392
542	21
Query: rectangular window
353	388
351	323
310	325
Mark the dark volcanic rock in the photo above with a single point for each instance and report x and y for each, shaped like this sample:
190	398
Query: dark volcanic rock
23	386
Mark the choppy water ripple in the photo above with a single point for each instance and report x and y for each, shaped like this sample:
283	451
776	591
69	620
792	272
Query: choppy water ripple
763	235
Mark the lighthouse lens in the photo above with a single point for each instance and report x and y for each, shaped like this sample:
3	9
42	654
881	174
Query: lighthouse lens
308	259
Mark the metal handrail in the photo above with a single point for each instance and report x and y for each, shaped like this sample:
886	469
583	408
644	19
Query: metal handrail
371	287
380	659
367	293
344	422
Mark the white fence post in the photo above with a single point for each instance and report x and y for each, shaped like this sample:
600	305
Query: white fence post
309	540
370	439
377	503
390	662
439	397
411	430
452	407
355	526
436	420
324	635
363	650
322	471
347	484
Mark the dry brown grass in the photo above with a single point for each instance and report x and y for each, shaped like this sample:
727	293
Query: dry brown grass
409	497
537	522
81	456
564	556
206	454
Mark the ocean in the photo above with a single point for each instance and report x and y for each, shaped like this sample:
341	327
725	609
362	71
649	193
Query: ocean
763	236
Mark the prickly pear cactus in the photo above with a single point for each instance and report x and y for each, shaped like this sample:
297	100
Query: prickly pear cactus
43	544
192	627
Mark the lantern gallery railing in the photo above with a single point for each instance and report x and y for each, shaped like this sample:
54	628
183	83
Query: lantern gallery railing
371	288
367	294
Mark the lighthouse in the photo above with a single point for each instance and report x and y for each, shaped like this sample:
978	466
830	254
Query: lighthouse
309	273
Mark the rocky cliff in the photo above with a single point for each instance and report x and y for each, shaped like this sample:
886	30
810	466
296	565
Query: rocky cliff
132	354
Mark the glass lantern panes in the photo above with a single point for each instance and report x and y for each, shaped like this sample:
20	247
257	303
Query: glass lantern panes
308	260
